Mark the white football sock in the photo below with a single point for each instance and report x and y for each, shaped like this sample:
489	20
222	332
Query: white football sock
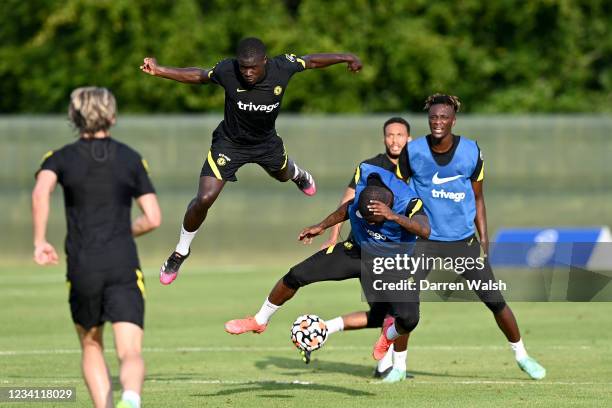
296	171
519	350
386	361
399	359
132	397
392	333
185	239
335	325
266	312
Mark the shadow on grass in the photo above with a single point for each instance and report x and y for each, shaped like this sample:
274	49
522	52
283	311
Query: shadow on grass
258	386
357	370
177	377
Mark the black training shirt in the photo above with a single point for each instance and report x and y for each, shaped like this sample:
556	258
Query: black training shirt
100	178
251	110
380	160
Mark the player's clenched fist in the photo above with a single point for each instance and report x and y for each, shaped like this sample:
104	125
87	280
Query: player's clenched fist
45	254
149	66
354	65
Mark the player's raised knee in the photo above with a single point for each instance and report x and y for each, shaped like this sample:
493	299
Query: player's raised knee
293	279
407	323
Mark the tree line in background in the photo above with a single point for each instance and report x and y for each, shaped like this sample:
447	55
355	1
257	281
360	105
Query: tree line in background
498	56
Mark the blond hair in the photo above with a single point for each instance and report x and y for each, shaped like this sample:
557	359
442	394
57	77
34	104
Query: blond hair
92	109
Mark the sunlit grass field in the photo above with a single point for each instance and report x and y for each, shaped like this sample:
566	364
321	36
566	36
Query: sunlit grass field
457	354
541	171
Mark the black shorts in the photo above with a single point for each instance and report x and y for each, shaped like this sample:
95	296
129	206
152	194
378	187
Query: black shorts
466	248
226	157
98	295
336	263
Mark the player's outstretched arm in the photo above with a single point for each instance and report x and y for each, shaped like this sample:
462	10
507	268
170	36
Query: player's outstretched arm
325	60
185	75
340	215
334	231
44	252
417	224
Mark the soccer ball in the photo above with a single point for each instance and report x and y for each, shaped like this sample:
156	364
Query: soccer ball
309	332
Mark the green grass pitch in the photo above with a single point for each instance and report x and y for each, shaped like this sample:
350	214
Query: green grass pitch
457	354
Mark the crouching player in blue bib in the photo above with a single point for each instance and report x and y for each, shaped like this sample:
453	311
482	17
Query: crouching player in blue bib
447	173
385	210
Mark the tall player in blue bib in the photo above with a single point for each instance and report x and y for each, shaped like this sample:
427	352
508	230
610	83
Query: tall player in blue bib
385	210
447	172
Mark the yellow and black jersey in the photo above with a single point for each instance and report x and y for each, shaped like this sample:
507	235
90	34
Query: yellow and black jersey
404	170
251	110
100	179
380	160
413	207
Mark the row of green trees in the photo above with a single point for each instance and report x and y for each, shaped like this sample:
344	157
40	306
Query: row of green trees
498	56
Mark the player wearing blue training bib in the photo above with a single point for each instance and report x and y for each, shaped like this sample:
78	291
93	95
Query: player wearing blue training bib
447	173
396	133
385	210
404	195
445	182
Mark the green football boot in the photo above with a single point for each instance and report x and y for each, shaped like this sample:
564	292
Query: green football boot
532	368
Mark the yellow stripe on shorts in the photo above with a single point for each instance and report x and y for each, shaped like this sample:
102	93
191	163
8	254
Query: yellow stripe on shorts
286	158
213	166
140	283
330	249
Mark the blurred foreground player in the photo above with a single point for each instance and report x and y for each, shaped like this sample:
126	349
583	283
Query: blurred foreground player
100	177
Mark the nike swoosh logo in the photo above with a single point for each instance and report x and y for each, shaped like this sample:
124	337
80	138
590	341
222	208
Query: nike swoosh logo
436	180
241	90
358	214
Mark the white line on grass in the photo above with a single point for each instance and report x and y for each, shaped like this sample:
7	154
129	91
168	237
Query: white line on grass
77	380
60	279
228	349
464	382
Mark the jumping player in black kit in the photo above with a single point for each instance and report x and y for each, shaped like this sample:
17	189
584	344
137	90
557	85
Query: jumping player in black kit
100	178
254	87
